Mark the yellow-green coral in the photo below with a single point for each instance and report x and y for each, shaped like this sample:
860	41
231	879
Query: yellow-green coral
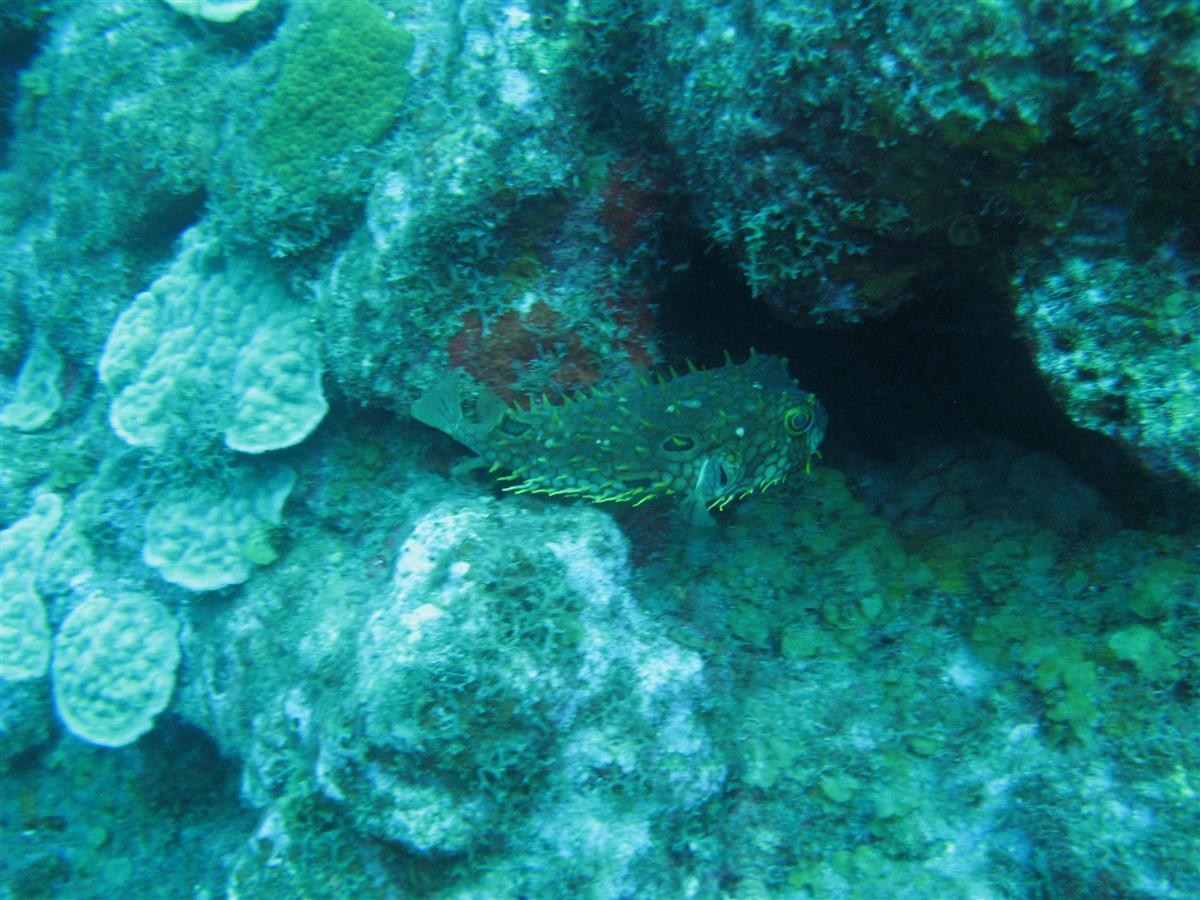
343	80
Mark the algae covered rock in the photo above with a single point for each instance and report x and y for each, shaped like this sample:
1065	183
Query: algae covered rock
851	154
501	234
503	695
494	681
1113	322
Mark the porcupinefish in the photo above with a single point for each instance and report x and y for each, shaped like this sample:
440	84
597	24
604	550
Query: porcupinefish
710	435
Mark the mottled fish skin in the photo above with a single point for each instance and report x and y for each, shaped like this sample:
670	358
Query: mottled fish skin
709	436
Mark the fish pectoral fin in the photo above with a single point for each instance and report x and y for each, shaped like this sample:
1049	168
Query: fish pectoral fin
489	410
440	407
467	465
466	411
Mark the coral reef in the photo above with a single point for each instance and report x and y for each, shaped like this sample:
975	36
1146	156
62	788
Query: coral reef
933	681
335	77
264	635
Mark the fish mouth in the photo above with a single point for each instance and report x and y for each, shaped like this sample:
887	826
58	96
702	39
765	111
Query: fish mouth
716	482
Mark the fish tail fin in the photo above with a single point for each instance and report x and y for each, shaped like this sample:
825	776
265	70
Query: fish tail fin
461	408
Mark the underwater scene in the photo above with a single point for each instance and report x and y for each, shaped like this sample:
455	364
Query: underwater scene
632	449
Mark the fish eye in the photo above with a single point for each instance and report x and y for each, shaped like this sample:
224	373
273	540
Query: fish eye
798	419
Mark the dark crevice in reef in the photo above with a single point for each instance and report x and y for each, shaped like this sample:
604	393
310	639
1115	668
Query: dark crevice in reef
157	234
184	774
948	366
21	36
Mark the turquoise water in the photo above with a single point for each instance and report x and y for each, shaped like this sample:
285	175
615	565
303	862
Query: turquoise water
266	635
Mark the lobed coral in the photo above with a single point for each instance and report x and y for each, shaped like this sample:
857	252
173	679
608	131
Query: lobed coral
215	346
24	630
114	667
